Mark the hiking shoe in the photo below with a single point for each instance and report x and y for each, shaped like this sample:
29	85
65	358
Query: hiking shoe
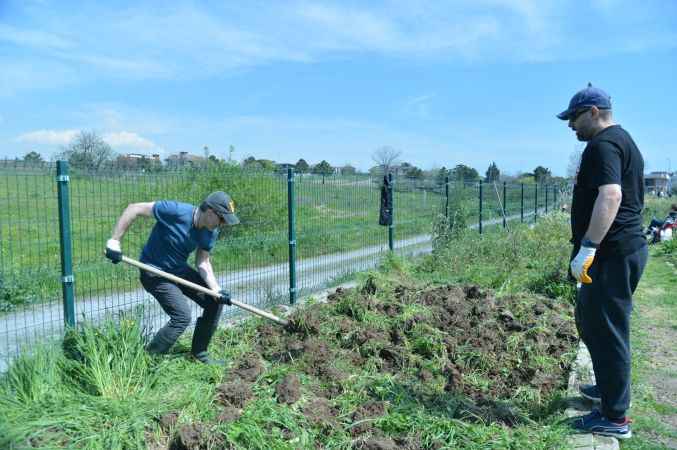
591	392
596	423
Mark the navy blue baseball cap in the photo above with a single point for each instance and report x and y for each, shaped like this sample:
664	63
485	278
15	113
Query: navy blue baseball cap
590	96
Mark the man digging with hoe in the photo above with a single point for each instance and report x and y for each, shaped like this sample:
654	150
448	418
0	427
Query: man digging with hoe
180	228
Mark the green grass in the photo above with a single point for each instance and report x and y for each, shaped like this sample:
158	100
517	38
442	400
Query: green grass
104	392
654	318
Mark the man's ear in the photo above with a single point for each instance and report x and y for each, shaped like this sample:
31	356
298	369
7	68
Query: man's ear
594	112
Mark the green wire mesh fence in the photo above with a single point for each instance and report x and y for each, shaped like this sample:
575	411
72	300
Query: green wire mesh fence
262	261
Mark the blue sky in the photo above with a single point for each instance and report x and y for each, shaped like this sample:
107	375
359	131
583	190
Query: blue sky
466	81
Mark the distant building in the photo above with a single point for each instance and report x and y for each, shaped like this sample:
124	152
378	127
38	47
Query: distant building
184	158
657	183
132	161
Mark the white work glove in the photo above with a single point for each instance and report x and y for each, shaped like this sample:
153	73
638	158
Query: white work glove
581	263
113	251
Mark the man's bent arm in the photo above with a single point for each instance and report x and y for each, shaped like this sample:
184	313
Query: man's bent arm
128	216
204	266
604	211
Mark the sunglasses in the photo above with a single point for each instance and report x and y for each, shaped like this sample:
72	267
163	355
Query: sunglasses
578	113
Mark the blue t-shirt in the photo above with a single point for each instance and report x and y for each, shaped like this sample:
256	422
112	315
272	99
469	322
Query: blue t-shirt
174	237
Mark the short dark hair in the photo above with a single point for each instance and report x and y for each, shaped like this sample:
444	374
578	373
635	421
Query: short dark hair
605	114
673	207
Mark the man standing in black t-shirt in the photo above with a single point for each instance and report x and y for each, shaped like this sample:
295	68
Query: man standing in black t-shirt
609	253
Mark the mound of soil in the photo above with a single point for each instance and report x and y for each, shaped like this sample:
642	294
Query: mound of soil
194	436
320	413
168	420
235	393
248	368
451	340
364	416
289	389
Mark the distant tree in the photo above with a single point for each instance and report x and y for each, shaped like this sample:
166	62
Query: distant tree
464	173
386	157
348	170
302	166
414	173
33	158
492	173
267	164
250	162
323	168
88	150
542	174
441	176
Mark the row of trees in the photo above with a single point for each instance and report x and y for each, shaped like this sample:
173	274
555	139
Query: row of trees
89	151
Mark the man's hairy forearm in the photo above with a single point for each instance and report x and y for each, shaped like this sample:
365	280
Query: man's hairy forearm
207	274
124	222
603	214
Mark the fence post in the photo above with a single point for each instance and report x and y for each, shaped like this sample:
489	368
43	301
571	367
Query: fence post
504	205
480	222
65	243
391	231
554	197
446	196
291	208
535	201
546	199
522	202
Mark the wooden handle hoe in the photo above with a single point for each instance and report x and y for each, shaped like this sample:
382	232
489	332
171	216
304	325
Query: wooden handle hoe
203	289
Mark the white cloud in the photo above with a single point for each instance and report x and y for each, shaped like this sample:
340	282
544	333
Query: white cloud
52	137
34	38
128	139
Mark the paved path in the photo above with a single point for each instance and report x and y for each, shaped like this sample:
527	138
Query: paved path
262	287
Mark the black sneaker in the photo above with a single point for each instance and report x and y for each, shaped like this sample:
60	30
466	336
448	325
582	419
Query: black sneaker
591	392
596	423
204	358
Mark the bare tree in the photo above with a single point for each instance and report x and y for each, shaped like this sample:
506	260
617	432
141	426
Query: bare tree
386	157
574	162
88	150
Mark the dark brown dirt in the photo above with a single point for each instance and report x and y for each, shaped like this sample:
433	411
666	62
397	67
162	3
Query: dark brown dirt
320	413
168	420
464	329
363	417
235	393
377	444
229	414
194	436
289	389
248	368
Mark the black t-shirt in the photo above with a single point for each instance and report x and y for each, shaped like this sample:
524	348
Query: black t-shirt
611	157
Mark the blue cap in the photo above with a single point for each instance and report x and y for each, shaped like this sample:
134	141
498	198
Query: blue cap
590	96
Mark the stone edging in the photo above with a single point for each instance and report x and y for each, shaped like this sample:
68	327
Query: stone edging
582	373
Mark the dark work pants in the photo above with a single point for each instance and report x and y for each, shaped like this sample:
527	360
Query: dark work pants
604	308
172	299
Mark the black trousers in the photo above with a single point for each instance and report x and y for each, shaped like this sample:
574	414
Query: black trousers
172	299
604	309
